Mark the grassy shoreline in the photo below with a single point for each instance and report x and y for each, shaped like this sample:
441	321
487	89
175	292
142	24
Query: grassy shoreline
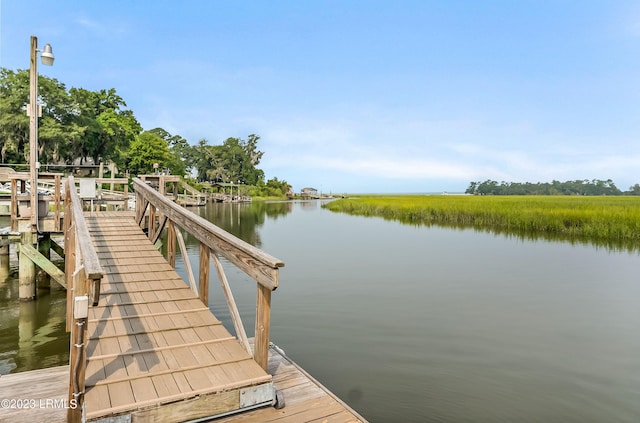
610	221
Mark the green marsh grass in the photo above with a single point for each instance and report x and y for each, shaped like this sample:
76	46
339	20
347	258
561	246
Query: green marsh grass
613	222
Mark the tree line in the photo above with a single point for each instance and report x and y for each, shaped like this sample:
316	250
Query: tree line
79	126
577	187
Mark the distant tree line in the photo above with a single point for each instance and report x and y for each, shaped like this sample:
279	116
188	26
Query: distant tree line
78	125
577	187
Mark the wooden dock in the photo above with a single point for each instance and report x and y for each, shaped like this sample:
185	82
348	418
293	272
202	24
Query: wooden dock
148	349
306	399
152	342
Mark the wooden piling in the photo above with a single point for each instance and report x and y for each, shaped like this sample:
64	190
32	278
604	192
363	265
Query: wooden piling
26	270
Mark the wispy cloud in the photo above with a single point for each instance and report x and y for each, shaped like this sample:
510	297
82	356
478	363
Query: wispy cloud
101	28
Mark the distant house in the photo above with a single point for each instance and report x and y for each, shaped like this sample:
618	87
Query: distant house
309	193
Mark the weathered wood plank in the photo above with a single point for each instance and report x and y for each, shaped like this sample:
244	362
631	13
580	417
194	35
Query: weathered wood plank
263	325
231	304
43	263
253	261
187	262
203	282
89	257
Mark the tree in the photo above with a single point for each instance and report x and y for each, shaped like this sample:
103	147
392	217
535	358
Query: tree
634	190
145	150
235	161
577	187
202	159
14	123
240	158
57	128
180	152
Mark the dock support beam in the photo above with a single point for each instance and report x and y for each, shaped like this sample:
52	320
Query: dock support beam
44	247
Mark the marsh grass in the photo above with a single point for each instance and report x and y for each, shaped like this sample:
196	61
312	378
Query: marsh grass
613	222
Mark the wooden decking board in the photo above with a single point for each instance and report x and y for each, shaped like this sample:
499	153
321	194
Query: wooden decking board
165	385
130	288
132	346
120	393
143	253
127	261
139	329
106	247
132	312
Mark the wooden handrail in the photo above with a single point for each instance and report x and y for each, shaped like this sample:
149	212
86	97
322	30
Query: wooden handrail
260	266
256	263
83	272
89	258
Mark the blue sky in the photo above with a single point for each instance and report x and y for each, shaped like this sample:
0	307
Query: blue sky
366	96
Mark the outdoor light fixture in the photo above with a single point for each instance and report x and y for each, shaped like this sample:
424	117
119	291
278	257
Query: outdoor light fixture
47	55
33	111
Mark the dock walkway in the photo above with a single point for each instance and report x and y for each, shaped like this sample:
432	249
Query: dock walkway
151	341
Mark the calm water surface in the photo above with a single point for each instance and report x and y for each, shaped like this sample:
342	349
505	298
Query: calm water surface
415	324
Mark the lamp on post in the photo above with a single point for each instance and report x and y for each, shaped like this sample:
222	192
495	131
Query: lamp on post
33	111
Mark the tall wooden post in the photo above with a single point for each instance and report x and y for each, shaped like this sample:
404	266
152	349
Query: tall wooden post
33	131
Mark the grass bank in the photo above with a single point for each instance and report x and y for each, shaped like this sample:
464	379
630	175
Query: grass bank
610	221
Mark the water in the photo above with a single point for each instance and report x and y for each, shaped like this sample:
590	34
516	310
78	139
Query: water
418	324
32	334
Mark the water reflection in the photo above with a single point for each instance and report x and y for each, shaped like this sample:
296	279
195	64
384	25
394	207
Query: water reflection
32	334
244	219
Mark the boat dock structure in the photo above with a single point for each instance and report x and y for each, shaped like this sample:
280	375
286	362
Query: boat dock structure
144	345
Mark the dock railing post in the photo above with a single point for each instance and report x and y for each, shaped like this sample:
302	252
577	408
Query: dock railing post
171	243
57	183
263	325
78	348
203	280
69	252
14	205
125	205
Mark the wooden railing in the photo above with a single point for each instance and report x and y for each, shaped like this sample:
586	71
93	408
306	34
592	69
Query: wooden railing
155	211
53	181
19	195
111	195
83	273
